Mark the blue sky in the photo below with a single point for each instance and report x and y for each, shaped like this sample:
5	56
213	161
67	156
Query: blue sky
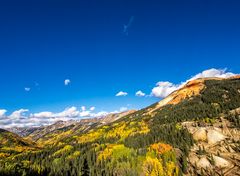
104	47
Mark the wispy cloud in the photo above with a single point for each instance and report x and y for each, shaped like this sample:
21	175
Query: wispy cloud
36	84
27	89
127	26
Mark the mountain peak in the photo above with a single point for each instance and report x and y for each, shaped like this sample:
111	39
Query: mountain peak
191	88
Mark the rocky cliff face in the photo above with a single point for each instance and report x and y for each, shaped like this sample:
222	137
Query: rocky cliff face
216	149
23	131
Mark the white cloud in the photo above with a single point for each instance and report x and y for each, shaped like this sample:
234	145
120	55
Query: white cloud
68	112
101	113
121	93
18	114
221	73
67	82
83	108
92	108
163	89
20	118
2	112
50	117
85	114
43	114
140	94
27	89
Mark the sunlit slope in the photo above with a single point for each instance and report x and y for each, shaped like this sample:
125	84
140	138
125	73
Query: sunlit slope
11	144
8	139
215	96
50	135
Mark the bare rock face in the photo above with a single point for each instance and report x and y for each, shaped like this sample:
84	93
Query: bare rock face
200	135
203	163
220	162
221	148
193	159
214	136
206	134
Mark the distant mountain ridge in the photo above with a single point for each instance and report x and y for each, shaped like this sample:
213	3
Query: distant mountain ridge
34	133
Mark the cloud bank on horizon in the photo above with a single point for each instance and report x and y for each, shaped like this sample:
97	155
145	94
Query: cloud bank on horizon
23	118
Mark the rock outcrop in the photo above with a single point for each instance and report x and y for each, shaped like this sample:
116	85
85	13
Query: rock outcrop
216	149
200	134
214	136
220	162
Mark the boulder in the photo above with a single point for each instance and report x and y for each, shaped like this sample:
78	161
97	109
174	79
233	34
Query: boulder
203	163
214	136
220	162
193	159
200	135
